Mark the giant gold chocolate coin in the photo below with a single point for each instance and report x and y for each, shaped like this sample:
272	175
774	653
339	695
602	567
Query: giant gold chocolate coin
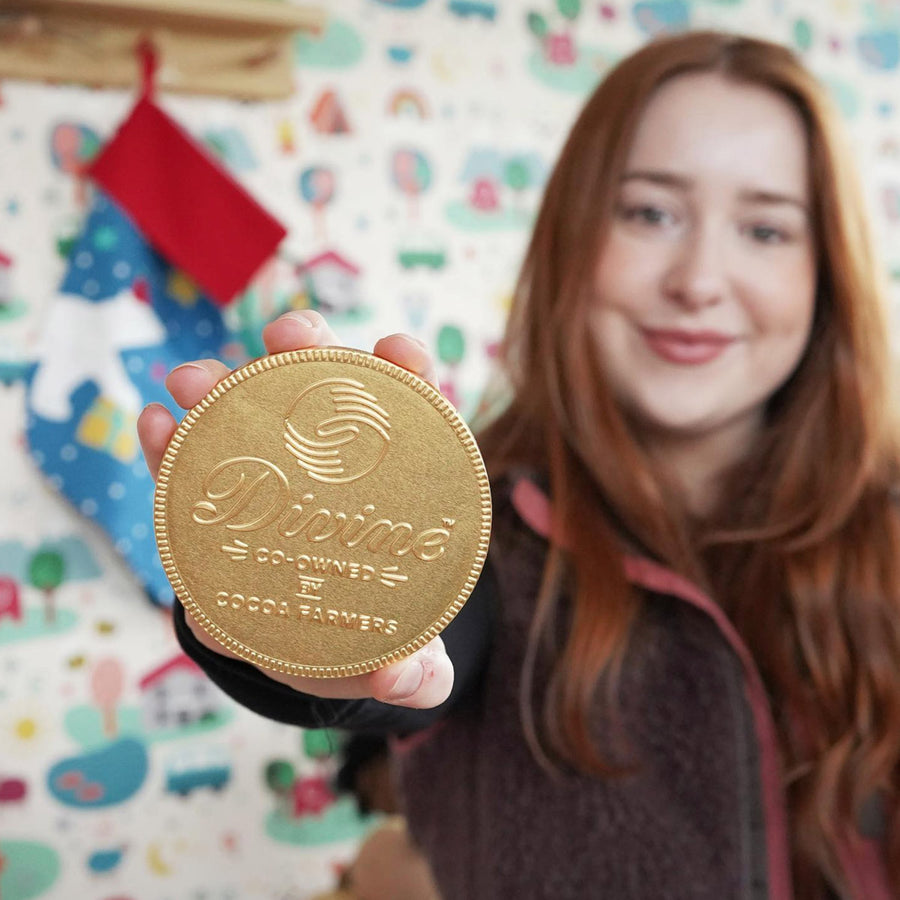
322	512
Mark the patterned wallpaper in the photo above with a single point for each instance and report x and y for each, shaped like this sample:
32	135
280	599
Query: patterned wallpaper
407	167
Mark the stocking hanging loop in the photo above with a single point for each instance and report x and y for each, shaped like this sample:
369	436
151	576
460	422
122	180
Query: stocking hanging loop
148	61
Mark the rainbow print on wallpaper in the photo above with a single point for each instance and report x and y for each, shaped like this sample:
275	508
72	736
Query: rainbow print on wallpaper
408	102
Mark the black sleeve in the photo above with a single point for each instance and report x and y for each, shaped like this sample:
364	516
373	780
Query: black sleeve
467	639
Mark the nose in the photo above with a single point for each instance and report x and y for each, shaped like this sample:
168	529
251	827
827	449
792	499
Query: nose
696	275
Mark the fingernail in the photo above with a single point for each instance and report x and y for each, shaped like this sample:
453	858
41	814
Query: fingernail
301	318
414	340
409	682
154	405
198	367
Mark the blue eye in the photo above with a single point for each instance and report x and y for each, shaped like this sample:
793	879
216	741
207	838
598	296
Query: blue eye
767	234
646	215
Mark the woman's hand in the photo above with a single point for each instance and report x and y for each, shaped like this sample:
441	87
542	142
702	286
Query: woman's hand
423	679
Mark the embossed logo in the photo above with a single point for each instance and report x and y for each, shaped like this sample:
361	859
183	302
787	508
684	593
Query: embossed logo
337	430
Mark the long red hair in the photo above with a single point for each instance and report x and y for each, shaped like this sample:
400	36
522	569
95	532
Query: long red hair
804	551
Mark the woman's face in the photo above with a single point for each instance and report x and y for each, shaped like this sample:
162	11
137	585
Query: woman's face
706	285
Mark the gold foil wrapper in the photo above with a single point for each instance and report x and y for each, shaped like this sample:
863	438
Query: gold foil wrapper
322	512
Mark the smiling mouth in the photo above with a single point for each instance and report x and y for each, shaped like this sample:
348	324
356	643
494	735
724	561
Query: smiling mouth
686	348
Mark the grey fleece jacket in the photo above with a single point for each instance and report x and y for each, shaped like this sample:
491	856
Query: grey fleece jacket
698	816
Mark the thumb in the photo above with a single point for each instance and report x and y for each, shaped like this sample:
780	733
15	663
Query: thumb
421	681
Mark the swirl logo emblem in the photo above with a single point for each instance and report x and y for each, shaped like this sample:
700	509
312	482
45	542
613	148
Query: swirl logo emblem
337	430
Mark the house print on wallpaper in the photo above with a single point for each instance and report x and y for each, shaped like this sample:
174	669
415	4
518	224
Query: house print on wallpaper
10	599
177	693
331	283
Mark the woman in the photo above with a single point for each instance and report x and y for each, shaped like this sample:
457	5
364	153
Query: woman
680	673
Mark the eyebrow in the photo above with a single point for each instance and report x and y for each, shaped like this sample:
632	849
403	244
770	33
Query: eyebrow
682	183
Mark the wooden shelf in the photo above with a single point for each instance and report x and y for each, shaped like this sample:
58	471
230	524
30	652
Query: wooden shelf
257	14
238	48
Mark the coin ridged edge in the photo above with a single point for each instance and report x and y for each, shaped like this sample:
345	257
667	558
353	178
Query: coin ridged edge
322	354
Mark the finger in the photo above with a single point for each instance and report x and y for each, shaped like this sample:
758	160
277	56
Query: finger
420	681
298	330
409	353
191	382
155	427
